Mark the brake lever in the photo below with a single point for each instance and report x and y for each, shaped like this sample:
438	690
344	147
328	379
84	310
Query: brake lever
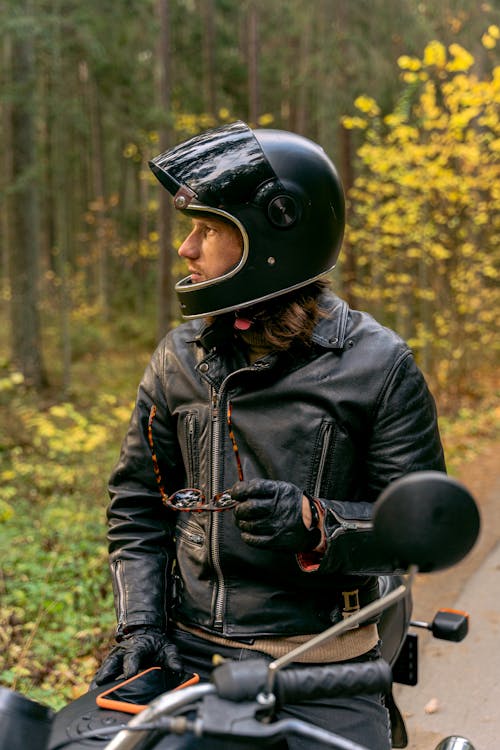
226	719
165	704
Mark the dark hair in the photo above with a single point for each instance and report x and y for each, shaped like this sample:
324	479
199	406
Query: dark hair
288	321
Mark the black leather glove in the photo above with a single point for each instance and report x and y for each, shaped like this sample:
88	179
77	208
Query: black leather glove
139	649
269	515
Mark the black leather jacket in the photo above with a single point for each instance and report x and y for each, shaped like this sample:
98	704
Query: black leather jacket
340	423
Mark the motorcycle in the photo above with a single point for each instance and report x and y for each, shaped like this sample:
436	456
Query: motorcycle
423	522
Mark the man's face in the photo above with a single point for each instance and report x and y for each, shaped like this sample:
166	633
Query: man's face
211	248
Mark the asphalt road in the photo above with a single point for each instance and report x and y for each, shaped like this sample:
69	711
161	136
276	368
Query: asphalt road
459	683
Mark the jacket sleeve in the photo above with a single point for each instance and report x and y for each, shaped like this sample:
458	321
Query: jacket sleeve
403	438
140	532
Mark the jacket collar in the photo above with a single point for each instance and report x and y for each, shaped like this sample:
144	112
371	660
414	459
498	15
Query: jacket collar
330	331
215	334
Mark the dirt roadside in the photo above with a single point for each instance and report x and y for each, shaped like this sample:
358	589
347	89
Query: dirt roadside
482	478
457	681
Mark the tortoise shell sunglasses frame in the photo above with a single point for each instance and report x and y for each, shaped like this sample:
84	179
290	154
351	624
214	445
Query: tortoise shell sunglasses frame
191	498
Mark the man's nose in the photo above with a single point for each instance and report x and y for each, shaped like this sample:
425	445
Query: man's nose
190	247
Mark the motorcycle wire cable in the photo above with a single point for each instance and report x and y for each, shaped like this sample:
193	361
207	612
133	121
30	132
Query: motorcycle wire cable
171	702
286	727
445	525
107	732
129	736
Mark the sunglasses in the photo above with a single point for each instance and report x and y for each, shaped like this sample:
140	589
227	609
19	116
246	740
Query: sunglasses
191	498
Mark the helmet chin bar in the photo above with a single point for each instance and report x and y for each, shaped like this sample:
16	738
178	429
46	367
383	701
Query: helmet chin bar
189	313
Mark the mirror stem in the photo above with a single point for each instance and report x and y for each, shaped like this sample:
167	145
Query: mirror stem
372	609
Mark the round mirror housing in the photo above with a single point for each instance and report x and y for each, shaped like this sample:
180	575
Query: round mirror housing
426	519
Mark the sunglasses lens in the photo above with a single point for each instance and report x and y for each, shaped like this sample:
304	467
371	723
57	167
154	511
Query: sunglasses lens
186	498
224	500
194	499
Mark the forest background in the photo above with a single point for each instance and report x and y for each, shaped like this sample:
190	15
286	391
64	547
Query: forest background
404	96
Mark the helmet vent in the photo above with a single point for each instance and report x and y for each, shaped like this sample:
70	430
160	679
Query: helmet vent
282	211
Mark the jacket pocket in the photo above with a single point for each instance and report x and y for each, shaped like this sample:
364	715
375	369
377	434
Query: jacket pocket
319	482
190	443
190	533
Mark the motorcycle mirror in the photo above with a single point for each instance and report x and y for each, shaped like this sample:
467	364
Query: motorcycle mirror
426	519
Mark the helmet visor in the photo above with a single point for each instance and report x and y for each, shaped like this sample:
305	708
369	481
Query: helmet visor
207	163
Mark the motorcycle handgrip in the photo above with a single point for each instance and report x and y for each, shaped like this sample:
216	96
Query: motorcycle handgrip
333	680
243	680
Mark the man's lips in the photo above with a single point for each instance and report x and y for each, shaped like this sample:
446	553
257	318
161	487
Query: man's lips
195	275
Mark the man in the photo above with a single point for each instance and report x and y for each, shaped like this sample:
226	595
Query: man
279	411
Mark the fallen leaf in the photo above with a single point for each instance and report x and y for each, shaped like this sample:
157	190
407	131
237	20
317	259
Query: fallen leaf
432	706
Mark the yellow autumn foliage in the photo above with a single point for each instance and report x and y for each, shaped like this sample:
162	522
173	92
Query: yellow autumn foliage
424	212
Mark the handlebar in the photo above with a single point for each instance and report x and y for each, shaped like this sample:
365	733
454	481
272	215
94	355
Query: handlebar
242	698
229	704
239	681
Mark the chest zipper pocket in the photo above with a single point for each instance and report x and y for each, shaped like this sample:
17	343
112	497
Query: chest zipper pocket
191	433
322	458
191	533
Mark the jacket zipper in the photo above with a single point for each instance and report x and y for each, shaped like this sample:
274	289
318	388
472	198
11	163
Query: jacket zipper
121	592
189	535
351	525
215	401
191	429
325	445
357	525
215	517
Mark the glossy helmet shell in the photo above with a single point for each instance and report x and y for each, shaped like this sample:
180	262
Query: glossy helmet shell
283	193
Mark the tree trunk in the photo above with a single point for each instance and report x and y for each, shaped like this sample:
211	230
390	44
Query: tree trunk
6	171
209	47
253	64
304	74
166	295
347	175
143	238
98	204
23	219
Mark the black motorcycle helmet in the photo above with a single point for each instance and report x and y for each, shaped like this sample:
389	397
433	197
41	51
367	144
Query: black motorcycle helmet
281	191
